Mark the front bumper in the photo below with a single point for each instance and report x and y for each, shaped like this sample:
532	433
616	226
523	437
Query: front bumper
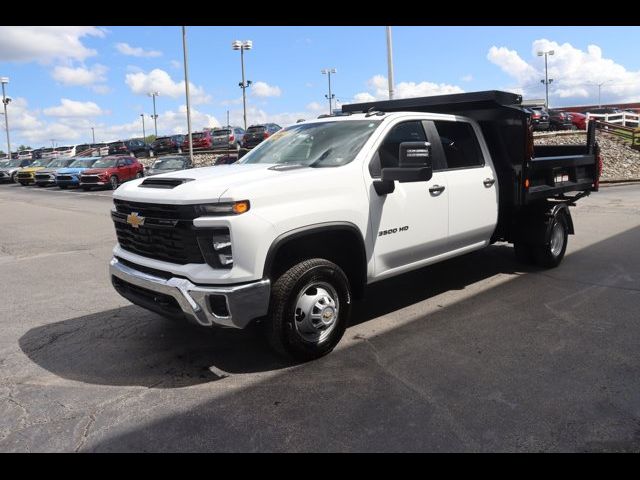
228	306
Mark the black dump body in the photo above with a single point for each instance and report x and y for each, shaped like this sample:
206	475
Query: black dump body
528	176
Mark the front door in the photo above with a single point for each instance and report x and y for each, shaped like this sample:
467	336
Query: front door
410	225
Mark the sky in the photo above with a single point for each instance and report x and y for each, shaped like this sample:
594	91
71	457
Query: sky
65	80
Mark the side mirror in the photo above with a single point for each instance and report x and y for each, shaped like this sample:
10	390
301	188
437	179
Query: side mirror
414	164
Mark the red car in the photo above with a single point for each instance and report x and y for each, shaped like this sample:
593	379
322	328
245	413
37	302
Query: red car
111	171
579	120
201	140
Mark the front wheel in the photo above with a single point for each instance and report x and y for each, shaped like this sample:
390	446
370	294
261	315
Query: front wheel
552	252
309	309
113	182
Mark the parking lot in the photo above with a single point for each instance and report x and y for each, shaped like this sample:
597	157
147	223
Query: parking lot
473	354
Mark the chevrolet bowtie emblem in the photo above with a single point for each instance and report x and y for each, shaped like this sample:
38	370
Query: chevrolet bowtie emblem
135	220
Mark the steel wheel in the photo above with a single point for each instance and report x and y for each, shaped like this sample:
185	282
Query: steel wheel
316	312
114	182
557	239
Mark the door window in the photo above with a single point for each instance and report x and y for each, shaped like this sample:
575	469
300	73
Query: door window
387	154
460	144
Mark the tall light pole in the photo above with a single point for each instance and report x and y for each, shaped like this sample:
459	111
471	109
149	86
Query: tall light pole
186	90
242	46
546	80
93	134
390	62
329	71
5	102
155	115
144	133
599	90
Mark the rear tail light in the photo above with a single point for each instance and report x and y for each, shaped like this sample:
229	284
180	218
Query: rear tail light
232	138
597	182
265	135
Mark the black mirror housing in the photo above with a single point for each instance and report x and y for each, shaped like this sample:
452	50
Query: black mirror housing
414	164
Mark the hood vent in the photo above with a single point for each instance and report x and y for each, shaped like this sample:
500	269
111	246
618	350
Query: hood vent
164	182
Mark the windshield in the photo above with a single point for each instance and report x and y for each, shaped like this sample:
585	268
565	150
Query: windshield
4	163
325	144
84	163
222	131
47	150
257	128
63	149
197	136
162	139
168	164
105	163
58	163
40	163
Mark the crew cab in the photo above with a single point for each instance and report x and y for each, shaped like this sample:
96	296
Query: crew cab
70	176
294	231
111	171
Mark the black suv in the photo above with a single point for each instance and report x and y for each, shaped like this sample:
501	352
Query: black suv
170	144
539	117
257	133
559	120
134	147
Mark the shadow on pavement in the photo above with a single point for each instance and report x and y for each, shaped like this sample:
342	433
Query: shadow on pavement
130	346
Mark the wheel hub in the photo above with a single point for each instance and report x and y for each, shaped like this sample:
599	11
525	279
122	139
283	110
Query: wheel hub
557	239
316	312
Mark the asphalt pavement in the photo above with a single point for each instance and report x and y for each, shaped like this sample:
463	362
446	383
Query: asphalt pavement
474	354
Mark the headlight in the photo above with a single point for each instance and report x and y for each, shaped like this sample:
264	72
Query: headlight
230	208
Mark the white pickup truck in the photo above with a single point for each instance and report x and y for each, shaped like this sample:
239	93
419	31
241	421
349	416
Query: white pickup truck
295	230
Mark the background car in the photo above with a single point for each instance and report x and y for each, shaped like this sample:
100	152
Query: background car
47	176
70	176
227	137
539	118
67	151
47	154
100	149
111	171
169	163
134	146
170	144
37	154
26	175
559	120
84	149
579	120
9	169
25	154
257	133
201	141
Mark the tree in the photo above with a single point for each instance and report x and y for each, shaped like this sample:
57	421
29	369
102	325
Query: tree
24	147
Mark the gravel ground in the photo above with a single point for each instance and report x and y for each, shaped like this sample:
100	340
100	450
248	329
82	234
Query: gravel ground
620	162
199	159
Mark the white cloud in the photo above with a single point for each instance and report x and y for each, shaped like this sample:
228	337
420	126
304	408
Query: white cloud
73	108
379	89
46	44
126	49
158	80
175	64
81	76
467	78
263	89
575	73
316	107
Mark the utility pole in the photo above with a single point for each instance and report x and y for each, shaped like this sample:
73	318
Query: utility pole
390	63
242	46
328	72
155	115
144	133
186	89
546	80
93	134
5	101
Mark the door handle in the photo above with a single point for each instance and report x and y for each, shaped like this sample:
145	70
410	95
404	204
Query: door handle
437	189
488	182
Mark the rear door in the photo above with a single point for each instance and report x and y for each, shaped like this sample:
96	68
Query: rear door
472	184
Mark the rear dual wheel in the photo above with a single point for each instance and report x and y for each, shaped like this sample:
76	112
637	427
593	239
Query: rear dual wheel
551	252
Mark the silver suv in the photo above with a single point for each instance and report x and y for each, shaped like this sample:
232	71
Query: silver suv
227	138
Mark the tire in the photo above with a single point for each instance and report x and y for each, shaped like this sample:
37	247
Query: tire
113	182
297	294
552	252
14	179
523	253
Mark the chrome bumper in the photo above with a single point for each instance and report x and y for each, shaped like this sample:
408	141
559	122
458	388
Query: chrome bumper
243	302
